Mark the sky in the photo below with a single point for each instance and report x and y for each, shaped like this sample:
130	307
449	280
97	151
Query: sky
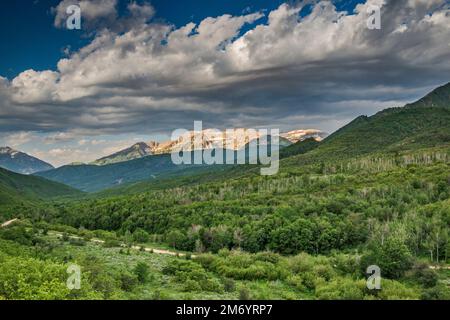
137	70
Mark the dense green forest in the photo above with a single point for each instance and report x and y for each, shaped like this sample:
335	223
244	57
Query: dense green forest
377	192
306	233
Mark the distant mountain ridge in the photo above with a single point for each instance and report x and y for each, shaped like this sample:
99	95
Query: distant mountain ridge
92	178
138	150
21	162
210	140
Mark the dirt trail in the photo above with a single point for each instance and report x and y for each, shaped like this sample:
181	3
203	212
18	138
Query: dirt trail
147	249
7	223
440	267
160	251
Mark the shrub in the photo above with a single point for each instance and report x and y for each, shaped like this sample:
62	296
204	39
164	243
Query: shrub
184	270
346	264
244	294
297	282
191	285
393	258
140	236
324	271
142	271
32	279
267	257
175	239
77	242
309	279
206	260
341	289
18	234
128	281
301	263
426	277
438	292
111	243
394	290
86	234
229	285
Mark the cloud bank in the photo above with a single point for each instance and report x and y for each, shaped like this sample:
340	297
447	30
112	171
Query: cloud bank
288	70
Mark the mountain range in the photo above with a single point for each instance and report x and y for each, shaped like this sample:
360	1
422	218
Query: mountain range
153	161
210	140
92	178
20	162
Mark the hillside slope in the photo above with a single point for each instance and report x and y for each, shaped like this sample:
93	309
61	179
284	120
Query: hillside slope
136	151
425	123
20	162
91	178
16	188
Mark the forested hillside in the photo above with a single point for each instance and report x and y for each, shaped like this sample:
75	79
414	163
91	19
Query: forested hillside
153	168
307	233
424	123
17	188
20	162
